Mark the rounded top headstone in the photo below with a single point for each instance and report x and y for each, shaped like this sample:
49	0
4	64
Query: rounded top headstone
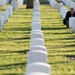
37	73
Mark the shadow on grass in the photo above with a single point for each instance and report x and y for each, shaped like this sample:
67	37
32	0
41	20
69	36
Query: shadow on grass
71	45
11	39
66	55
59	62
25	23
65	51
2	9
18	29
64	33
69	56
7	66
70	38
69	51
53	28
14	74
25	38
20	51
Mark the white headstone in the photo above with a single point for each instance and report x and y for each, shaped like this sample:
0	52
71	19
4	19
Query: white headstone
63	11
56	5
73	25
37	73
2	17
5	16
36	17
37	56
36	31
8	1
59	6
36	35
36	20
71	21
36	4
38	67
72	4
36	10
2	2
36	26
36	42
68	2
9	9
0	24
41	48
36	14
16	3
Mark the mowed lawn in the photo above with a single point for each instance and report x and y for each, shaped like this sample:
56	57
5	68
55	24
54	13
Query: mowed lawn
14	42
2	8
15	38
60	42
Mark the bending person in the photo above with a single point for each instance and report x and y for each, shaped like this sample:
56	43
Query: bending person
69	14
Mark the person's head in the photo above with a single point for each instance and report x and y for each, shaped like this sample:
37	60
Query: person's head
72	10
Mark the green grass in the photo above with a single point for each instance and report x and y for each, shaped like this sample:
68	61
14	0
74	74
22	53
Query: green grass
14	42
59	42
3	8
15	37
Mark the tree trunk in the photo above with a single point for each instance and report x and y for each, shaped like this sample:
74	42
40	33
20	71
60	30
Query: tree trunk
30	3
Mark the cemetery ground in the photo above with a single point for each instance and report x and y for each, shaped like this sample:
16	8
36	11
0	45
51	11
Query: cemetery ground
3	8
15	37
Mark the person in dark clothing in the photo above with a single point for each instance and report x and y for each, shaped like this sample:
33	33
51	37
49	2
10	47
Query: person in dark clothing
69	14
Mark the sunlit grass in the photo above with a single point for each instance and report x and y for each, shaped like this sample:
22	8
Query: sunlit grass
14	41
2	8
59	42
15	38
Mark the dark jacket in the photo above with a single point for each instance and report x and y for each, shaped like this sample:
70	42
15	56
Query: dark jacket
68	15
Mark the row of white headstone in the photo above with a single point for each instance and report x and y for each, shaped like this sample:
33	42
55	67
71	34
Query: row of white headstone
16	3
59	7
63	10
7	1
66	2
4	16
37	56
3	2
53	3
69	3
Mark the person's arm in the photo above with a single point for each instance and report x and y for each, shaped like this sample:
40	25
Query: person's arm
74	14
67	16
